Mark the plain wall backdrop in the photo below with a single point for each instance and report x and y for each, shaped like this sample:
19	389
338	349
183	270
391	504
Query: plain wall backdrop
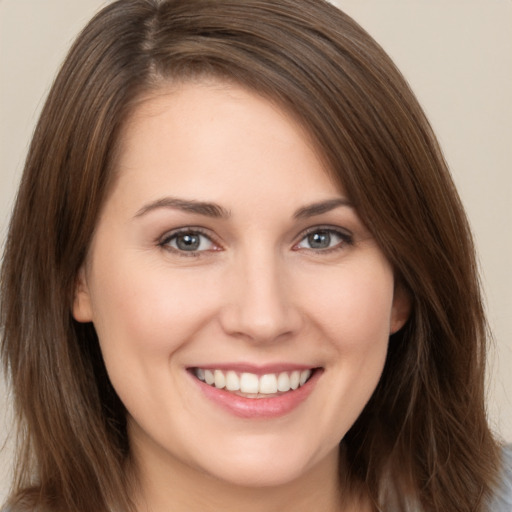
457	56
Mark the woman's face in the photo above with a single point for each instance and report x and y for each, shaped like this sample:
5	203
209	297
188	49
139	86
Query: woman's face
226	253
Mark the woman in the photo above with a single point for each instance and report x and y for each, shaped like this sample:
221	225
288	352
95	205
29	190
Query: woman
238	275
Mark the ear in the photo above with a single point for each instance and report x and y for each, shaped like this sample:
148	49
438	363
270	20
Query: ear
401	308
82	310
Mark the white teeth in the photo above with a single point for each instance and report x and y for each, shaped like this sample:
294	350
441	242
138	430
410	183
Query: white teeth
220	380
232	381
304	376
249	383
208	377
295	379
268	384
283	382
252	384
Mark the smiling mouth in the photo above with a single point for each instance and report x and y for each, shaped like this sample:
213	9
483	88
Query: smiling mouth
250	385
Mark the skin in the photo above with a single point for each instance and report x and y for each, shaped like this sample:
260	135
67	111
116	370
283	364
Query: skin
255	292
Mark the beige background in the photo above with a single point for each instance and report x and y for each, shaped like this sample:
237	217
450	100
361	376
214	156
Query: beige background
457	55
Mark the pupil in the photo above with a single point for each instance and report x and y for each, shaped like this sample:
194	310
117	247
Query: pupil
188	242
319	240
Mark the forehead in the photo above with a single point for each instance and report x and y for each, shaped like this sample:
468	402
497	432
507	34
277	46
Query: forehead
218	134
203	100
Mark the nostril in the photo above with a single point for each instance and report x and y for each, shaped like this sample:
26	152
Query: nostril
260	323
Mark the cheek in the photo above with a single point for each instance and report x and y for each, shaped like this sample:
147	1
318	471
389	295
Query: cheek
353	308
354	315
144	315
147	312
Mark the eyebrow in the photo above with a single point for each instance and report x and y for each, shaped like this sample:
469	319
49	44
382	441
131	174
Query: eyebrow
216	211
192	206
321	207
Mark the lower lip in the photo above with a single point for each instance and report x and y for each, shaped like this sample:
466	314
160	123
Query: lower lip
253	408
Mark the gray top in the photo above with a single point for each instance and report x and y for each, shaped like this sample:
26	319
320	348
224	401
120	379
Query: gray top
502	501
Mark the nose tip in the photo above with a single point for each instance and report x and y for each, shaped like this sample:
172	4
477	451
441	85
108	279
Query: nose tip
260	306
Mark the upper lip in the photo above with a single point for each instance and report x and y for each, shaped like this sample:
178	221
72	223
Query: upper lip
254	368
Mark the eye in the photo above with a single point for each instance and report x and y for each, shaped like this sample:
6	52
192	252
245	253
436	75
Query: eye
320	239
188	241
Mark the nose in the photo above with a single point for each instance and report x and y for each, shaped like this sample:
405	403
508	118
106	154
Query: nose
259	305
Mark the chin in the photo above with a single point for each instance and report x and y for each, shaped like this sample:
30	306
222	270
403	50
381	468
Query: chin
266	467
250	475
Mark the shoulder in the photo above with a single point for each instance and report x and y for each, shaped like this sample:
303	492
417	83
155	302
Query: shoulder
502	500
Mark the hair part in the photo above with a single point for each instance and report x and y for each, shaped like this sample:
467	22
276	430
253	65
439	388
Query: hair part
423	436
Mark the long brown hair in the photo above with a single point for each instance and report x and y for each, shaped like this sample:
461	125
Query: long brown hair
423	437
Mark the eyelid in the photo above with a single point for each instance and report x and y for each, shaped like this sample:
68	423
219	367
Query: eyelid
164	240
343	233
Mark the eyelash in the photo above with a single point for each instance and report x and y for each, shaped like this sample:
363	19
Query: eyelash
345	239
192	231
